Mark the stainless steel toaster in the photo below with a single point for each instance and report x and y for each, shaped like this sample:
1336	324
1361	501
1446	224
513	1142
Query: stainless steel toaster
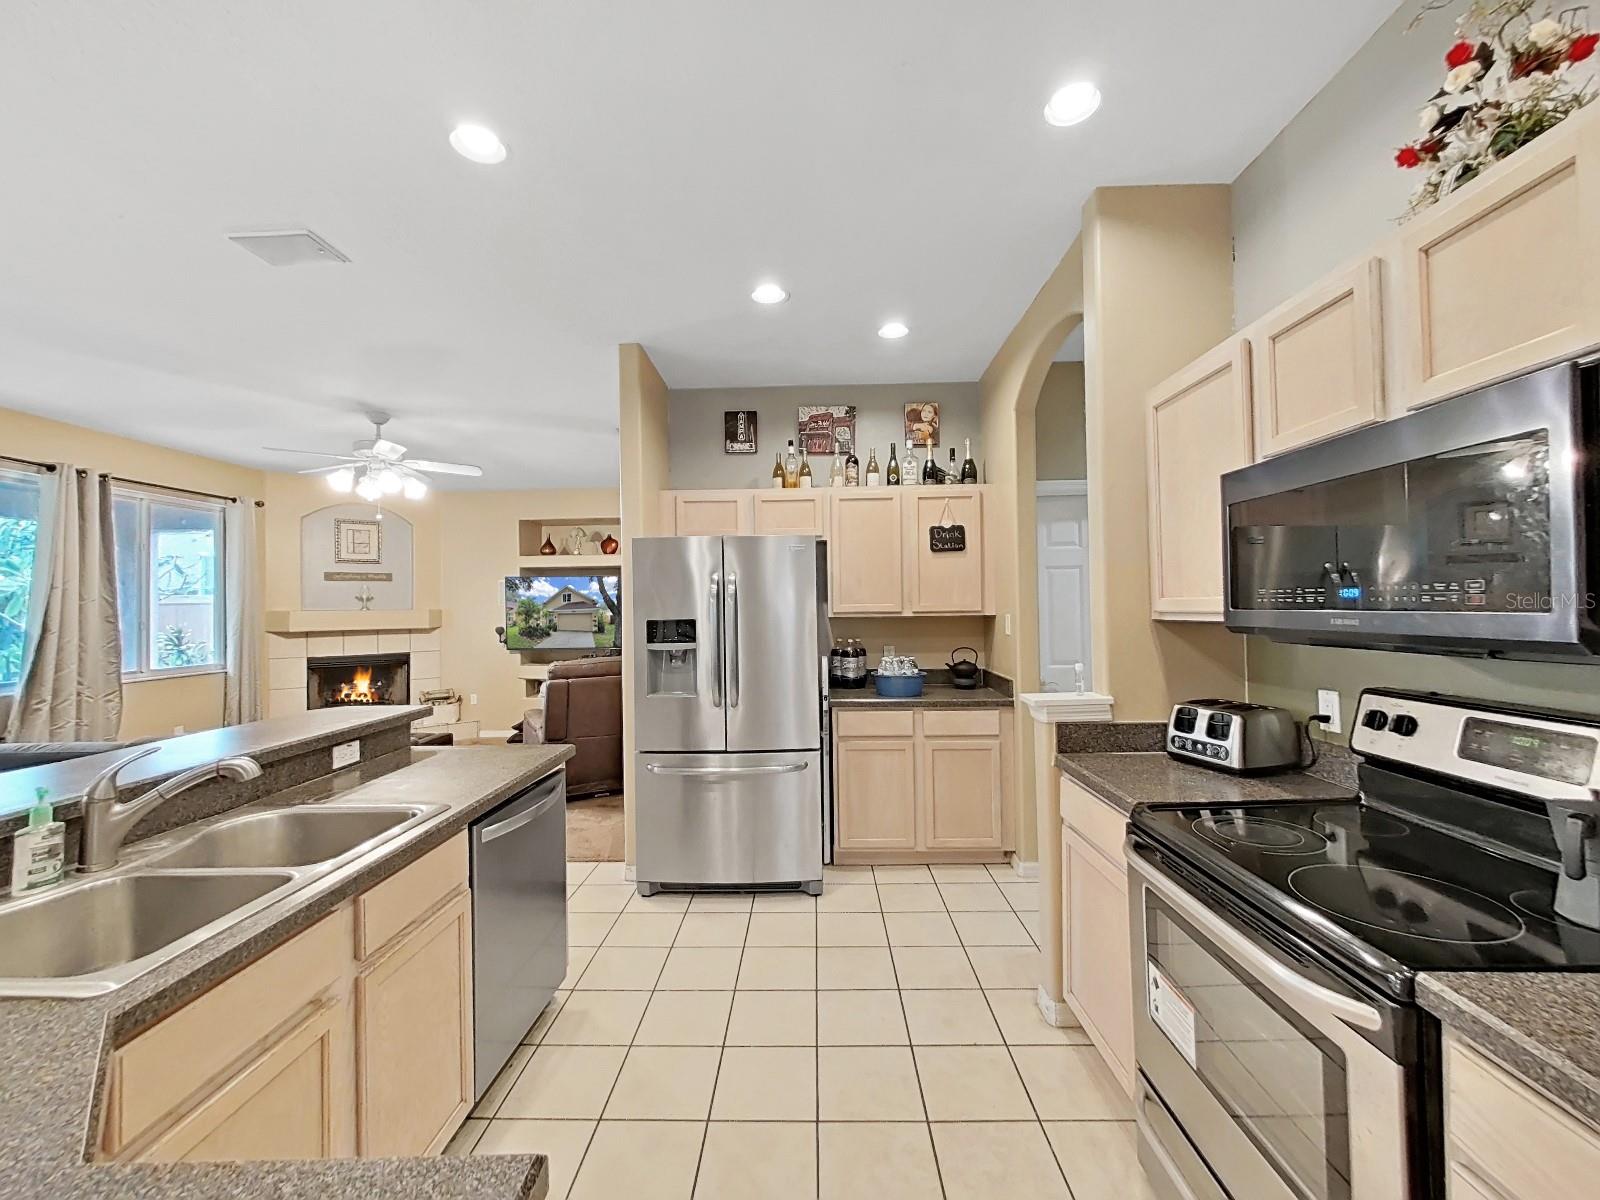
1231	735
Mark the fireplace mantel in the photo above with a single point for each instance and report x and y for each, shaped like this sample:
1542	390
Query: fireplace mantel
311	621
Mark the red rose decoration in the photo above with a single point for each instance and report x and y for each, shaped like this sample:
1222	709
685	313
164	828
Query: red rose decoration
1583	47
1407	156
1460	55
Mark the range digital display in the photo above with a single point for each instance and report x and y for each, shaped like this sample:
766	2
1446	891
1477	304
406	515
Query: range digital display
1547	753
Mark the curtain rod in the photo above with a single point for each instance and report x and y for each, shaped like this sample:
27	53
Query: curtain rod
28	462
167	487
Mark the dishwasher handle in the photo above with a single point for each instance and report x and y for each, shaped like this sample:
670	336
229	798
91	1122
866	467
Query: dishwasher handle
499	829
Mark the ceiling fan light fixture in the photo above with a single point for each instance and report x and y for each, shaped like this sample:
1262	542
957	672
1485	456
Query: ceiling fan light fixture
389	481
415	489
342	480
368	489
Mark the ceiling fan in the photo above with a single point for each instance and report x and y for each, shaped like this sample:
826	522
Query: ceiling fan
377	467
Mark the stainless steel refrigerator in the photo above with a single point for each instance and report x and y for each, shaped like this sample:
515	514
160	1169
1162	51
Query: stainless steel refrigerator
730	655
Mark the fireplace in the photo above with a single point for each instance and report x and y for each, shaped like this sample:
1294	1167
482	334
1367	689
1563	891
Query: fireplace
351	679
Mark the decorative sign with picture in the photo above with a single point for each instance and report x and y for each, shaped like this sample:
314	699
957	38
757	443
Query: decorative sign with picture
947	539
827	428
922	423
739	431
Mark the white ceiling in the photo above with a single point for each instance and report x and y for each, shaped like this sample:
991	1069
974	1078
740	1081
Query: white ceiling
882	158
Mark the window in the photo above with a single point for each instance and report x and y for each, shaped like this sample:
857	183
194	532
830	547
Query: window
169	582
19	532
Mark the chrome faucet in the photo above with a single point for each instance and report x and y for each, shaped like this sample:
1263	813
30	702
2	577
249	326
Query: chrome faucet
107	820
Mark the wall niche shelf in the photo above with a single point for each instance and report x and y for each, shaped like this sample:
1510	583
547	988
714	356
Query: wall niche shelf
568	564
532	533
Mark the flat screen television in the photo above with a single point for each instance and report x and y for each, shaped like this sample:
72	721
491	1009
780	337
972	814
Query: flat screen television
572	613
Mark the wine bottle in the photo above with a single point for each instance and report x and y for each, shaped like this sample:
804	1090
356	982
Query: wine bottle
777	471
791	466
874	478
969	468
836	472
912	474
892	472
954	474
805	480
930	467
852	469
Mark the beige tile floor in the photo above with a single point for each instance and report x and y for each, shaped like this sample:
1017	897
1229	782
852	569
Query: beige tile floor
878	1042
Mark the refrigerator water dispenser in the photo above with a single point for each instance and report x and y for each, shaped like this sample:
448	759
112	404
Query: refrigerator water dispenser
670	650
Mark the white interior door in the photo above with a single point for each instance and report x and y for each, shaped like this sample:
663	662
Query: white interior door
1064	630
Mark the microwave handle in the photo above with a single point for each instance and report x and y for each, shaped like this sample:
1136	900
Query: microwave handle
1256	958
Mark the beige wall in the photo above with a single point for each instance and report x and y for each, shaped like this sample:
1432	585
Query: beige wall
1157	289
930	639
158	706
695	426
1061	452
642	413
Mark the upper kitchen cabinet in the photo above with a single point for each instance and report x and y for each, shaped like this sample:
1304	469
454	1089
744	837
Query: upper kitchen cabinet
1318	362
944	580
865	562
708	514
1199	428
791	510
1504	276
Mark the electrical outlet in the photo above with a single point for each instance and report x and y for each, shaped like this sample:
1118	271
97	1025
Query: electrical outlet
177	729
473	699
346	754
1006	622
1328	706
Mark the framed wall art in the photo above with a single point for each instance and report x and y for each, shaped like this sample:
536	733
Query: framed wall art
739	431
827	428
357	541
922	423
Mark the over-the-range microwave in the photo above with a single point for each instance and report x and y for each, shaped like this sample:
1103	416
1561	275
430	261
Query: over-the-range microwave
1464	528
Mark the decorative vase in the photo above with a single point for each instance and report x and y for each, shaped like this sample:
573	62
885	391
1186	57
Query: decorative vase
549	547
609	545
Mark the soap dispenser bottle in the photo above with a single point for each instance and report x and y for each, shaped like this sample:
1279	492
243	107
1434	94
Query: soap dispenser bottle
38	850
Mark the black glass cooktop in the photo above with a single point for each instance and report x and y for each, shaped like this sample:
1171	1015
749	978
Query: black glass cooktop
1386	894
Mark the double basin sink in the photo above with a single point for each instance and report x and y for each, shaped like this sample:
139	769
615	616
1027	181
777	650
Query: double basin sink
91	935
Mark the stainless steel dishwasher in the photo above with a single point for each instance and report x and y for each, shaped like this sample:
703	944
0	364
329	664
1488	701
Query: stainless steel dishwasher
519	919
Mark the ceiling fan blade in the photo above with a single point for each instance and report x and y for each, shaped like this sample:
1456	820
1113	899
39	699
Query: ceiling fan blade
317	453
384	448
329	470
442	468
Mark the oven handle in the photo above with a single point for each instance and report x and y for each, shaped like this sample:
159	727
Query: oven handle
1282	976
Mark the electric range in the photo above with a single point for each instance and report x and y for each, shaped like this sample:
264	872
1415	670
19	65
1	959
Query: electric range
1281	1052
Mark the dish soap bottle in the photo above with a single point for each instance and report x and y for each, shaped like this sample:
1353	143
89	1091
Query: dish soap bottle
38	851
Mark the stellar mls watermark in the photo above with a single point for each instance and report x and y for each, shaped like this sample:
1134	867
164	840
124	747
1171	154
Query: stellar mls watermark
1550	601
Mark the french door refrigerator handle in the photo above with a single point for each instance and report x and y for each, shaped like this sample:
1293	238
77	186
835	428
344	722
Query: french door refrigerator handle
716	638
1279	974
733	639
726	772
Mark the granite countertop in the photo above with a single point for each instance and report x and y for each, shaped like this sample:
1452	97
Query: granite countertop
934	695
53	1053
1542	1025
1126	779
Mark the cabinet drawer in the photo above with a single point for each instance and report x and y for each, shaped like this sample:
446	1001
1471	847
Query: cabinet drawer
160	1069
1095	821
403	899
853	722
1524	1144
961	723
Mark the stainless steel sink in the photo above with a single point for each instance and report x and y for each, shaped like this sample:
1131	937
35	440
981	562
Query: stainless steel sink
96	927
288	837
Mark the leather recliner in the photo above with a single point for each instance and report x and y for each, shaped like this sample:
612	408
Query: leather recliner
583	707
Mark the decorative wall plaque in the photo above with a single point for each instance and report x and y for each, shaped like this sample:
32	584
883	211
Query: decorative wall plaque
739	431
947	539
356	541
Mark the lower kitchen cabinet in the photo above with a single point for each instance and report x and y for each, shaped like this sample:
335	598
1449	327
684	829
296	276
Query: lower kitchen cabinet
925	785
352	1037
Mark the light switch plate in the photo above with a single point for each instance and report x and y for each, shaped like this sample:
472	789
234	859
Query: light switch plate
346	754
1328	706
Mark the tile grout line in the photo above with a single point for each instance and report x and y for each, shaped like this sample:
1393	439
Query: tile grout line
722	1050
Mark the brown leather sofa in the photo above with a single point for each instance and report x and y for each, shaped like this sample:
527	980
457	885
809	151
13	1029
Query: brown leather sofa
583	707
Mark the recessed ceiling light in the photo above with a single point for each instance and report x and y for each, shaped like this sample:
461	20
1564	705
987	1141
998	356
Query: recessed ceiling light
893	330
769	293
1073	103
479	144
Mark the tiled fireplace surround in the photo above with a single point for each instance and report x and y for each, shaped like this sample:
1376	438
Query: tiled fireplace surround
287	654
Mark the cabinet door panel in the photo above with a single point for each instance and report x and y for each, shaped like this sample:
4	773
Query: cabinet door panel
961	794
710	514
791	510
414	1021
1318	362
1199	428
950	581
1099	968
865	567
876	794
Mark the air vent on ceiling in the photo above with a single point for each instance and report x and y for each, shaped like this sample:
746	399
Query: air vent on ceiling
288	247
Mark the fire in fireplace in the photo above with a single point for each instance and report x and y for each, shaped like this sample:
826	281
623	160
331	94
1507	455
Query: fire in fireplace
358	679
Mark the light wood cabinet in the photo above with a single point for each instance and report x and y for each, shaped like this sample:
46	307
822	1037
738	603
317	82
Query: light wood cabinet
1505	1140
414	1012
948	581
791	510
1318	362
866	568
1199	428
922	784
1096	933
1504	276
709	514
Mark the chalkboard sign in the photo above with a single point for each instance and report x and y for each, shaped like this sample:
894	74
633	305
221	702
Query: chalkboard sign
947	539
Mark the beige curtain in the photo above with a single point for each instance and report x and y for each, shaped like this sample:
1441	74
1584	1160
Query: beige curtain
71	688
241	693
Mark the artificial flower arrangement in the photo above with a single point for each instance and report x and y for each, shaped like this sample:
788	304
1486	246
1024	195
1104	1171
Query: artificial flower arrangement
1509	78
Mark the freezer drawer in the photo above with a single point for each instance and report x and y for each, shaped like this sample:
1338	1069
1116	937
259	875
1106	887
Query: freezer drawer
729	820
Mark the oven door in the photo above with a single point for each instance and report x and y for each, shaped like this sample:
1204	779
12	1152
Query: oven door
1262	1059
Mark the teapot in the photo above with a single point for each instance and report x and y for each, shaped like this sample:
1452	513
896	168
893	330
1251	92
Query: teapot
964	672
